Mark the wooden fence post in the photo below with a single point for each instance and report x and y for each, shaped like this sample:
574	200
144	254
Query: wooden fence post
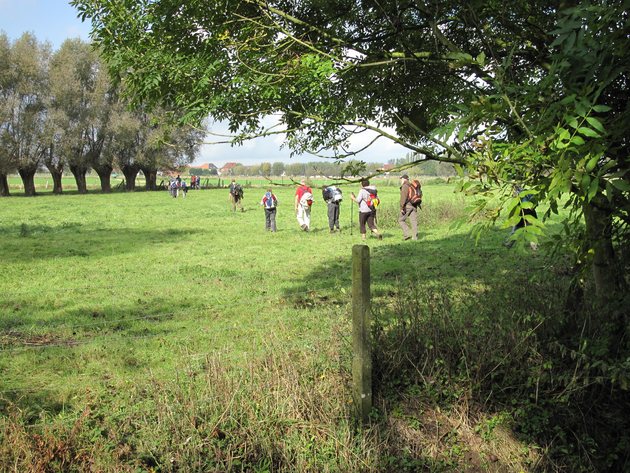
361	334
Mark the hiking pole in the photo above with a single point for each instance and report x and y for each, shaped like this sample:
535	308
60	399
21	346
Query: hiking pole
351	216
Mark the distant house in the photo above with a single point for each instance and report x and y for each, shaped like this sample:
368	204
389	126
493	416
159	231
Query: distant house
208	166
227	169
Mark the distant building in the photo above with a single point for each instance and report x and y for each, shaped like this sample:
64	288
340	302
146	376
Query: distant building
227	169
208	166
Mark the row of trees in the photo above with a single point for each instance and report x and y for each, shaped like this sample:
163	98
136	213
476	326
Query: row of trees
61	110
315	168
335	168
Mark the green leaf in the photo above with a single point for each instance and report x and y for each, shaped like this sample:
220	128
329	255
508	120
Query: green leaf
585	182
601	108
577	140
621	185
592	190
595	123
588	132
592	163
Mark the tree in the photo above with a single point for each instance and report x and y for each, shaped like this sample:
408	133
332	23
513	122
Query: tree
531	93
277	168
265	169
6	164
80	108
23	113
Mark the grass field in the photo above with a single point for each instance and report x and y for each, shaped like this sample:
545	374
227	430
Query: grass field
144	333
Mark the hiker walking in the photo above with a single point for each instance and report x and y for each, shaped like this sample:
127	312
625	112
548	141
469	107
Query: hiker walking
236	195
368	202
270	203
302	204
410	202
332	196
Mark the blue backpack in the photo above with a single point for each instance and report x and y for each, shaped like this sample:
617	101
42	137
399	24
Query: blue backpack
269	200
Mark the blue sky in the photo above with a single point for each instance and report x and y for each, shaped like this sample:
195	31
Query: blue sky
56	20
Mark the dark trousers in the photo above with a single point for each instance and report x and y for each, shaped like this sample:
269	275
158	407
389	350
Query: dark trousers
367	217
270	219
333	215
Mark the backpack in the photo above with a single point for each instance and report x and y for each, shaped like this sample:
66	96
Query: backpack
327	194
414	196
337	195
270	200
237	191
372	201
307	199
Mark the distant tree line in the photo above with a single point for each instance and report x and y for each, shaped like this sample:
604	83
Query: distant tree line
426	168
336	169
61	111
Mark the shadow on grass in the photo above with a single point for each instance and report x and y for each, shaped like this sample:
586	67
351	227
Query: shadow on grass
480	330
24	243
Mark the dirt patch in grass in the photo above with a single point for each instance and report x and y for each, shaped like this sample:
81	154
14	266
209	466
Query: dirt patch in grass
16	339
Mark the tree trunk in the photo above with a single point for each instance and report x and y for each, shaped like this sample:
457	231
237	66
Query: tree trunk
28	179
57	173
607	274
79	173
104	172
4	186
150	176
130	172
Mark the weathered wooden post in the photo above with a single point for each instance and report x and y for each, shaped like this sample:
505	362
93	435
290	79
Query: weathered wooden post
361	335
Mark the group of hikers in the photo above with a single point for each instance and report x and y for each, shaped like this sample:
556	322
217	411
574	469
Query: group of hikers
366	199
177	186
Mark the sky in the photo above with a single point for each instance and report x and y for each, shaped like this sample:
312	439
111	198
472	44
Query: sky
55	20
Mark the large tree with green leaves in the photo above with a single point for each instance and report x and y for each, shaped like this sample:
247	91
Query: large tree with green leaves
23	92
79	107
532	93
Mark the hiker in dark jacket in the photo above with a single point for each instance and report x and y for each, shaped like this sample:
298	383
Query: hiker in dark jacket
236	195
407	211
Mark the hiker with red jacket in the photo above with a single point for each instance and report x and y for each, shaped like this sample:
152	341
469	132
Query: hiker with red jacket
303	202
367	201
410	200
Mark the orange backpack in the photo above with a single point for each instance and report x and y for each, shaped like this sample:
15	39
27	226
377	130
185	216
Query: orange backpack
414	196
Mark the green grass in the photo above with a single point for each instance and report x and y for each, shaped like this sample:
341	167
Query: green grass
140	331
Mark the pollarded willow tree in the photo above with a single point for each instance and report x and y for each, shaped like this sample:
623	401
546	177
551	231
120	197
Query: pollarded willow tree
23	92
532	93
79	110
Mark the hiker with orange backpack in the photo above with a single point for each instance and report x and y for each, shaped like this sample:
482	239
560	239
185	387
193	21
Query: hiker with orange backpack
410	202
368	202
